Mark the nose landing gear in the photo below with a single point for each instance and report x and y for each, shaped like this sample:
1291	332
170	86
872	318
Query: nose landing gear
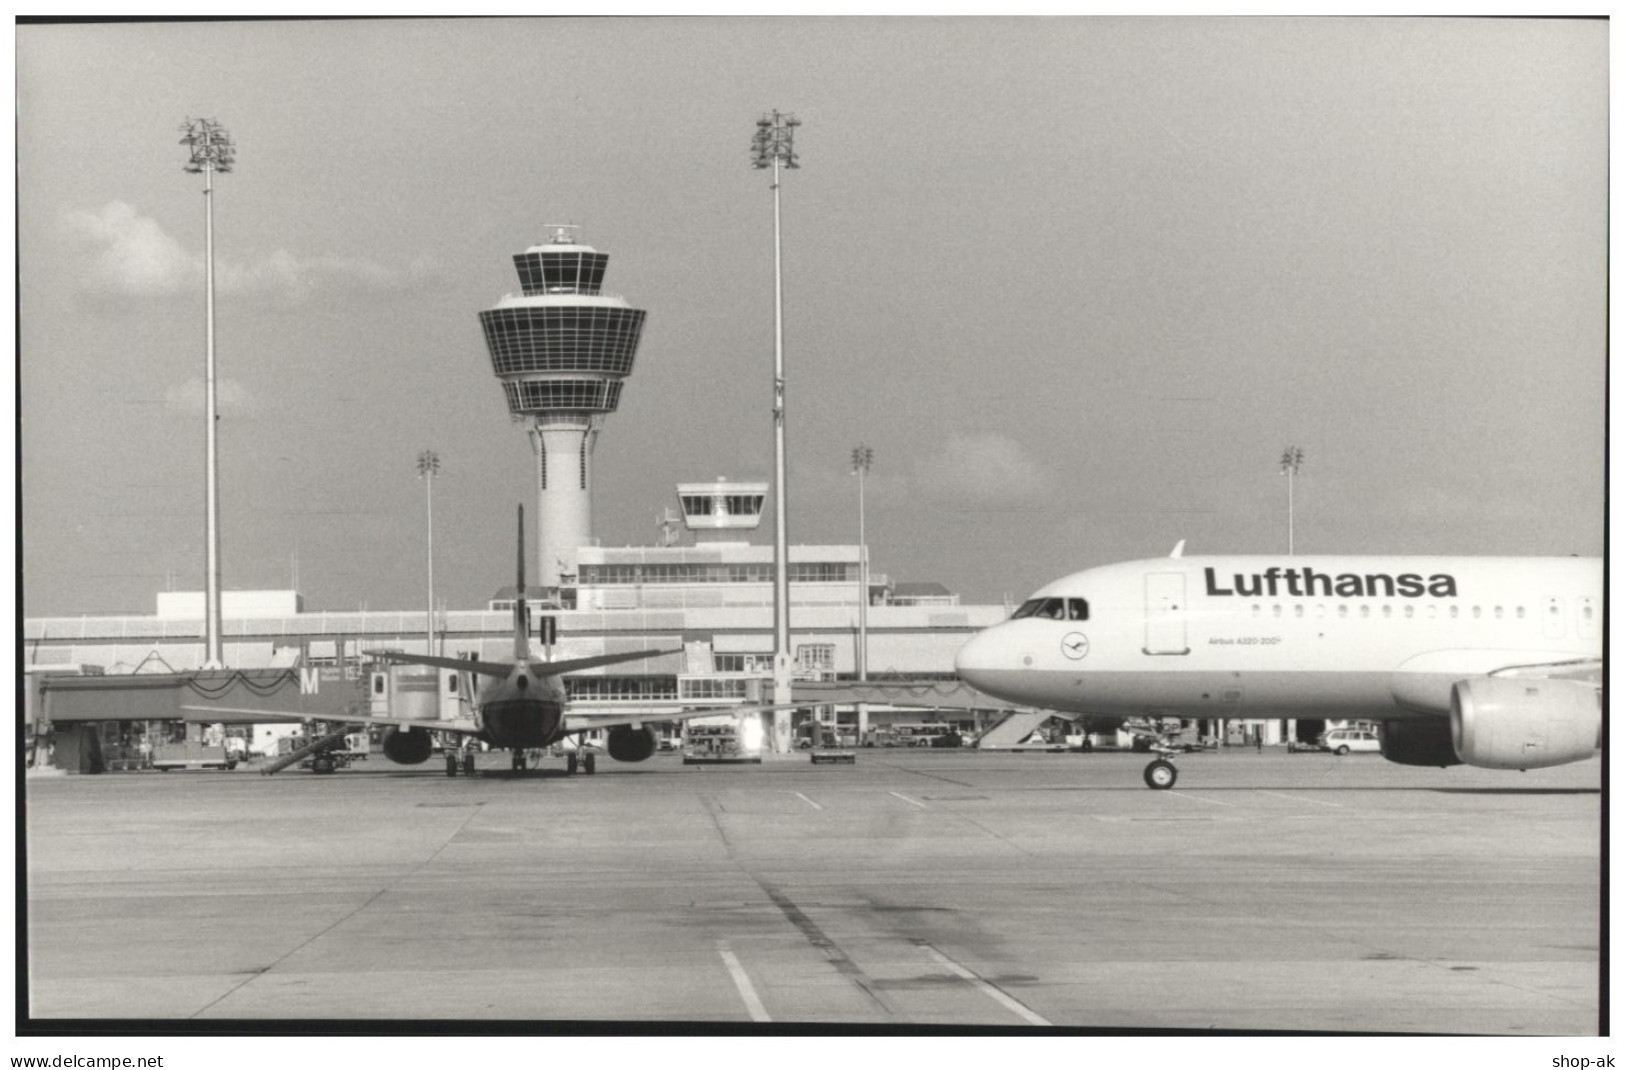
1161	774
1163	737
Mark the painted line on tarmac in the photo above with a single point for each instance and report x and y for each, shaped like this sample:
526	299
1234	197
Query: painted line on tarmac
987	988
906	799
806	800
1300	798
747	991
1198	798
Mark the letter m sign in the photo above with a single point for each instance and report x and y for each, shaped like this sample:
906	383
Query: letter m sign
310	680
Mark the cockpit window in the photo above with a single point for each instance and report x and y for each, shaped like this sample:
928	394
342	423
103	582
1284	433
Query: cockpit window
1053	609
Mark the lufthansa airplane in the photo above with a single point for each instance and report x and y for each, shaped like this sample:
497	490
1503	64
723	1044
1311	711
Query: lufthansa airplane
1491	661
520	705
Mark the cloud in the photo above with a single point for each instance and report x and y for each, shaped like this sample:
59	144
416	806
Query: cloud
126	254
129	254
230	396
983	468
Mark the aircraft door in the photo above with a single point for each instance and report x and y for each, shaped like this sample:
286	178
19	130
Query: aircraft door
1165	613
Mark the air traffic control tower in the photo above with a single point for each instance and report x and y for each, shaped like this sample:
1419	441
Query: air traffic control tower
561	349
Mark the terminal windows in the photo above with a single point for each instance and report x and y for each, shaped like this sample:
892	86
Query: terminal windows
815	655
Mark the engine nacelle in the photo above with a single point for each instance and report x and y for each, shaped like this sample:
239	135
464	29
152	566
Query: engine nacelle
1417	742
408	746
628	744
1517	722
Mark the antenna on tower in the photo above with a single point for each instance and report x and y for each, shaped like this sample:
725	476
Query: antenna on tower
670	524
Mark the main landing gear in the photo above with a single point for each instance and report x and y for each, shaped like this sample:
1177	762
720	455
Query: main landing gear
466	761
587	762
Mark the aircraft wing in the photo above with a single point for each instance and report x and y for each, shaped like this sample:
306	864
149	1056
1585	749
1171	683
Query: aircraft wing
586	722
1424	682
213	713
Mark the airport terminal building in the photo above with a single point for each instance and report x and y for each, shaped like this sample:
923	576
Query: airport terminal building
712	599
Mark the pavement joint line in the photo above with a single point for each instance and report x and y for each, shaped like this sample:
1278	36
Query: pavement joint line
741	979
806	800
988	988
906	799
1198	798
1300	798
371	899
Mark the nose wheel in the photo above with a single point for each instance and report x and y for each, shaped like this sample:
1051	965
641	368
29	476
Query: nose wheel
1161	774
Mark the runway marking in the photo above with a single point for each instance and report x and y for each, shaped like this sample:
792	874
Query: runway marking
987	988
1300	798
747	991
806	800
906	799
1198	798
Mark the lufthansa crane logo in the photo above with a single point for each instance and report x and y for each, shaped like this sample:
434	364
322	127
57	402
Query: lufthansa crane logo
1075	645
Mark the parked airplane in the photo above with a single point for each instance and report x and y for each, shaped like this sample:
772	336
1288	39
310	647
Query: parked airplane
1491	661
521	705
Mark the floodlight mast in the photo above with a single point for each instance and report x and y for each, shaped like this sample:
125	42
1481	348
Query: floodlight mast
1291	461
862	458
428	468
774	146
211	151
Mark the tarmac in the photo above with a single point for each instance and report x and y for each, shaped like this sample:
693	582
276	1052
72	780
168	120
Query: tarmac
921	889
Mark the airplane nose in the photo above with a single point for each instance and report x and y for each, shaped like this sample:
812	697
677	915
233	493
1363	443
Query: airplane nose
977	658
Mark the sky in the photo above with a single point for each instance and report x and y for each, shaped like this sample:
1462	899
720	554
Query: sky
1076	281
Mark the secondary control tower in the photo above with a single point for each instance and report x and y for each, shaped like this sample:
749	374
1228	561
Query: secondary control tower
561	349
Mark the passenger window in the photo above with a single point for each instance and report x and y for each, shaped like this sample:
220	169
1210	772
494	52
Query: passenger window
1455	611
1258	610
1520	613
1077	609
1387	611
1365	611
1477	612
1277	610
1497	612
1297	611
1410	611
1342	611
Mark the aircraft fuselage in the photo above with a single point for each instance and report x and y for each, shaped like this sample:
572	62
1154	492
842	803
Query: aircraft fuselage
1311	637
521	710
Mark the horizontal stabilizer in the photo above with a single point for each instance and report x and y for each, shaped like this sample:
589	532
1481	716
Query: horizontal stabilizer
484	668
559	668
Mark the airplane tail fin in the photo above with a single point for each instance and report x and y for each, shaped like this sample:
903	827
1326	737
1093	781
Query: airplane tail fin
521	612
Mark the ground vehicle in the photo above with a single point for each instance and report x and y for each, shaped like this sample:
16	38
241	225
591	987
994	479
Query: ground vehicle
1344	740
912	735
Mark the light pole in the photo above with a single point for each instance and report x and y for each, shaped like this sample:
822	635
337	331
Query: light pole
1291	461
862	458
774	146
428	468
211	151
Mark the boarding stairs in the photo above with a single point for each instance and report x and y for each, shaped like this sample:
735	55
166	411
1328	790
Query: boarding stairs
333	738
1015	727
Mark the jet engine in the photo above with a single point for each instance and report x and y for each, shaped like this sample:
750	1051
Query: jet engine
628	744
1417	742
407	746
1517	722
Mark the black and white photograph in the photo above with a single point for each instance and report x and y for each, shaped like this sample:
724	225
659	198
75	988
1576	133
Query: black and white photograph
553	537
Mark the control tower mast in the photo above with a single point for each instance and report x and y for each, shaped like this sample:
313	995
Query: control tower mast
561	349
